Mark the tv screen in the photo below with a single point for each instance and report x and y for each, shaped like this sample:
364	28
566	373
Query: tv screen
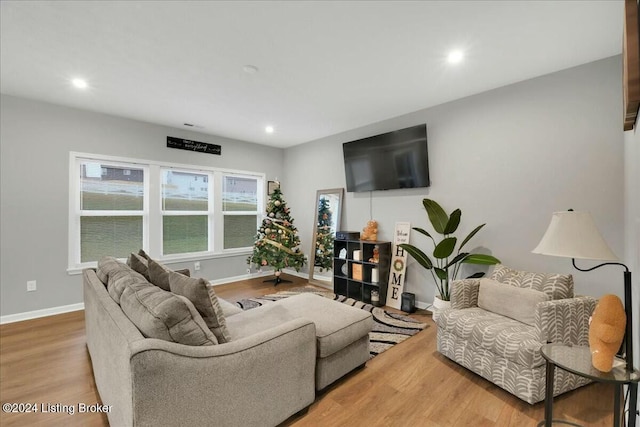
389	161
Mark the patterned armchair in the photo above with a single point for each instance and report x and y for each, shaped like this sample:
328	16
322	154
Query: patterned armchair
497	331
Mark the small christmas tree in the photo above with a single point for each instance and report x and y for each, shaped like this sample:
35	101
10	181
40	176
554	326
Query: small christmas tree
324	236
277	239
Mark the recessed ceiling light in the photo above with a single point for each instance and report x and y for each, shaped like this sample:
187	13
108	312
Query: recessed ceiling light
80	83
455	56
269	129
250	69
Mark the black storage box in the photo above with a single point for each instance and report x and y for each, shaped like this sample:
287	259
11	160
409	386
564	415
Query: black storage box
348	235
408	304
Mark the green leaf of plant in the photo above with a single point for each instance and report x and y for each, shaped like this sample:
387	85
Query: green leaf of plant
477	275
454	221
437	215
456	260
473	233
417	254
442	274
481	259
445	248
422	231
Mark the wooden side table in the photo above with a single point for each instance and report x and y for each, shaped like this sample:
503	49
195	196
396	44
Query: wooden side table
577	360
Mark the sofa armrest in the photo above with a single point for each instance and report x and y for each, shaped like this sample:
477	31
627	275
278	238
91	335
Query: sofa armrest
565	320
258	380
464	293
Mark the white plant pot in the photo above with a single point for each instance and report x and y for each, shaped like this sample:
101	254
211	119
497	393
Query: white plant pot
438	305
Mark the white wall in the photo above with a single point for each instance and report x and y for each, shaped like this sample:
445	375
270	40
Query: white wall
508	157
35	141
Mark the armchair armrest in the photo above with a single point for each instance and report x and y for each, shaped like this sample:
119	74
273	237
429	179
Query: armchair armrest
565	321
464	293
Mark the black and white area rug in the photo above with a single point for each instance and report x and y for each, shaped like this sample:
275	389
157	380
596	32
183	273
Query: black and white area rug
389	328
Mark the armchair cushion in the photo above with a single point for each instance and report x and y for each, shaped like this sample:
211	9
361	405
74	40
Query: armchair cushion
556	286
515	303
511	339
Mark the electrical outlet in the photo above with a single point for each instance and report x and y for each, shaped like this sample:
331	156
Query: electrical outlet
196	266
31	286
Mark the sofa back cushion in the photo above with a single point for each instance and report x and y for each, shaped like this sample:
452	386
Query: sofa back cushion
201	294
117	276
163	315
108	265
555	286
510	301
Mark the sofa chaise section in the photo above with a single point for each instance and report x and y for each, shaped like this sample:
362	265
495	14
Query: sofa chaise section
257	380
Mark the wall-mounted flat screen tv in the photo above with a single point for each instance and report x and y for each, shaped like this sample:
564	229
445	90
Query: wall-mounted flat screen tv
389	161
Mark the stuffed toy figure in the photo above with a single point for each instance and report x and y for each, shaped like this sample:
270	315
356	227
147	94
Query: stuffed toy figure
606	330
370	232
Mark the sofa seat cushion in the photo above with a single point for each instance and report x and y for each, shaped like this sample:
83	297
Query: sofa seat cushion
229	309
498	334
337	325
164	315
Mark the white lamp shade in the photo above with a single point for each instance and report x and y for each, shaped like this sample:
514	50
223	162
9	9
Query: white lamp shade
573	234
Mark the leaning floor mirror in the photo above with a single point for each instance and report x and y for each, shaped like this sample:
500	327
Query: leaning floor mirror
326	223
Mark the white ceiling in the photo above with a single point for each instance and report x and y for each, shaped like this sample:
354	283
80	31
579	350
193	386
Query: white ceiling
324	67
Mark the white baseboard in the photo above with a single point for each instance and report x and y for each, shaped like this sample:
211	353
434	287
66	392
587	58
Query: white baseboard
225	280
28	315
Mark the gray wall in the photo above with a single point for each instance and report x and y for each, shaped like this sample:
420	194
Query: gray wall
508	157
35	141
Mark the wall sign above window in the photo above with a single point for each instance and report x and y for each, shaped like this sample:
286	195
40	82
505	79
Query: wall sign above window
200	147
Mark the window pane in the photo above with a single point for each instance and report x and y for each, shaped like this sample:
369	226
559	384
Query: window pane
182	234
106	187
113	236
184	191
239	194
239	231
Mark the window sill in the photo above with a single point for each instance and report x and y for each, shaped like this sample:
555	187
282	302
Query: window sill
174	259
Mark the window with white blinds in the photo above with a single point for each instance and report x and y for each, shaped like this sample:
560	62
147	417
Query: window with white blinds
240	210
112	209
186	209
117	206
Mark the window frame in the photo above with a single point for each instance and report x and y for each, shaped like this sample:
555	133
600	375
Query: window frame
152	207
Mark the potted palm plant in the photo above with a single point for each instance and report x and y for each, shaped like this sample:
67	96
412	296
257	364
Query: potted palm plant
446	260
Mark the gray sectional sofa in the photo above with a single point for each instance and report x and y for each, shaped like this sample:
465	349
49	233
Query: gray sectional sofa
160	359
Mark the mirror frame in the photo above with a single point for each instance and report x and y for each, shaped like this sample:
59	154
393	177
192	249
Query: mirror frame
337	215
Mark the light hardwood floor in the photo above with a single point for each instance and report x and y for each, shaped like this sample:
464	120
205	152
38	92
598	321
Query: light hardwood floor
45	361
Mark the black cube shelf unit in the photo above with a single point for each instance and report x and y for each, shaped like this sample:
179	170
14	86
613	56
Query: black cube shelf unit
343	281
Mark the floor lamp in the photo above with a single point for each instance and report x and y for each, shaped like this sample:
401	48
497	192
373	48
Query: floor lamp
574	235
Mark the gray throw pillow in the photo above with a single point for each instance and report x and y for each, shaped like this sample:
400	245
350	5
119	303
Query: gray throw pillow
159	274
139	264
510	301
201	294
163	315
